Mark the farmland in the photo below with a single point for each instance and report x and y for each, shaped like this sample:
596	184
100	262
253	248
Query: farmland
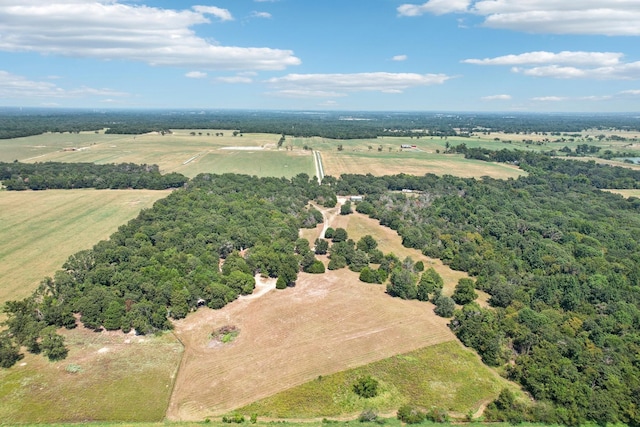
299	349
36	228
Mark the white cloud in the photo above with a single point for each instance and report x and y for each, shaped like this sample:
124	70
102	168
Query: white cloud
357	82
549	98
399	58
437	7
222	14
265	15
567	65
603	17
496	98
304	93
235	79
106	29
630	71
13	86
542	57
196	75
633	92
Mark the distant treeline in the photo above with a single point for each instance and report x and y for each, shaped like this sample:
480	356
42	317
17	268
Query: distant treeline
333	124
55	175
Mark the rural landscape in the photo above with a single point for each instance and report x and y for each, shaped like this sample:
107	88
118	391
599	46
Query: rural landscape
218	268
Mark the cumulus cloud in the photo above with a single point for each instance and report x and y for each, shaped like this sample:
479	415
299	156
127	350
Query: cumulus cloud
13	86
633	92
235	79
603	17
502	97
399	58
107	29
567	65
196	75
436	7
542	57
357	82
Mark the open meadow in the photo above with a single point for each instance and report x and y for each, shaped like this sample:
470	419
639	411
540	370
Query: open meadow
40	229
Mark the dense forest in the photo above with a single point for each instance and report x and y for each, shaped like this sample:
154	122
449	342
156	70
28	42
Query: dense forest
329	124
165	262
561	261
559	257
63	176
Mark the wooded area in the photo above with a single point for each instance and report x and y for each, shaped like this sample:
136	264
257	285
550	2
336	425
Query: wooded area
559	257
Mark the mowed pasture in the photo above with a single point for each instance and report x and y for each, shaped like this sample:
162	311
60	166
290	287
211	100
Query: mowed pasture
179	151
107	376
39	230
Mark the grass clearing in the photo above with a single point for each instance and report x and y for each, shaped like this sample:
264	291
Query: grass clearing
446	375
40	229
626	193
107	376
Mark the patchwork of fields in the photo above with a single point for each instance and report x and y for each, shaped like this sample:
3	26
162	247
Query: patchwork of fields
327	325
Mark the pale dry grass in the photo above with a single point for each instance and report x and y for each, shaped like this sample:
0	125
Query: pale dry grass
338	163
39	230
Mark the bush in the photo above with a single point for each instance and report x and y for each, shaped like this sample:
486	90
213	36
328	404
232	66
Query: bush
366	387
438	415
444	306
316	268
410	415
235	418
368	416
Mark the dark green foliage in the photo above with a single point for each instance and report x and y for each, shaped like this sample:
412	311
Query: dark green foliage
317	267
419	267
367	244
445	306
364	207
321	246
9	352
328	233
430	283
337	262
367	275
345	209
55	175
359	260
52	344
339	235
437	415
234	418
464	292
366	386
402	284
410	415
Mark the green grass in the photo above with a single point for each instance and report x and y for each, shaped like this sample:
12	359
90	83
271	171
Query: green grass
445	376
111	380
40	230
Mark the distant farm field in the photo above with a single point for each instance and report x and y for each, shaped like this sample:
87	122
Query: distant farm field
40	230
180	151
412	162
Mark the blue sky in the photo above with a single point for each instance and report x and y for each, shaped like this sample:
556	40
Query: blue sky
439	55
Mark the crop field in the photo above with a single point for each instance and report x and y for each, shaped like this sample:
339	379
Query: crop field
40	230
412	162
107	376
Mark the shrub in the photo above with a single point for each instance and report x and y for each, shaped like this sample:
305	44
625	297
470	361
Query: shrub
317	267
235	418
366	387
437	415
368	416
410	415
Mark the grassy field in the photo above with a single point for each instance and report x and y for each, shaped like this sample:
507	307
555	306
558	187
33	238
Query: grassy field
107	376
180	151
40	230
446	376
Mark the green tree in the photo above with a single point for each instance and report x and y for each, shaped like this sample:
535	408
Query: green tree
367	243
464	292
430	282
339	235
52	344
345	209
366	386
113	315
402	284
321	246
445	306
9	352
